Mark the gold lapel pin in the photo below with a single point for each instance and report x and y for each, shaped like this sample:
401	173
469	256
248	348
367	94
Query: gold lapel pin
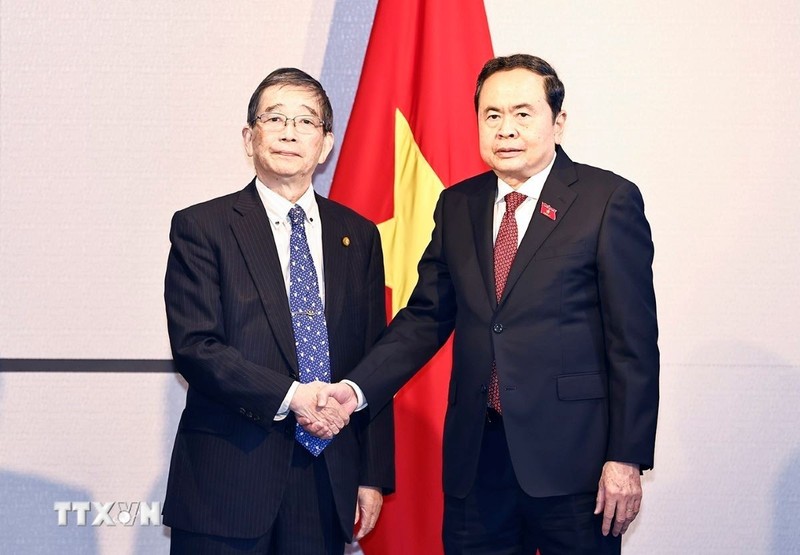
346	241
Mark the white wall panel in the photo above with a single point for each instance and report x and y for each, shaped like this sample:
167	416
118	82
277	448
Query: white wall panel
114	115
696	103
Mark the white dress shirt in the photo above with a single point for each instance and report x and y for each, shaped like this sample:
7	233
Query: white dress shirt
532	189
277	208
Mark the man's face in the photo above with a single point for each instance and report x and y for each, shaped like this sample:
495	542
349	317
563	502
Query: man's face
515	124
284	156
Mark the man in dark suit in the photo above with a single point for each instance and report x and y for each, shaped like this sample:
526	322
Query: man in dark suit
542	267
270	291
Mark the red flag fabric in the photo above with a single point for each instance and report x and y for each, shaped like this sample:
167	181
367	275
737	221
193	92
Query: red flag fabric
412	131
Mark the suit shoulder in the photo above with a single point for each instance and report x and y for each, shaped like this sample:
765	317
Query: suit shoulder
344	214
601	177
604	186
471	185
208	207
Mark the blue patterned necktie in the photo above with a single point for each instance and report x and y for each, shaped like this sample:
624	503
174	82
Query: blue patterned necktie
308	320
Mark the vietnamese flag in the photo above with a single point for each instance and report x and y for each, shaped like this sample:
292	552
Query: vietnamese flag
412	132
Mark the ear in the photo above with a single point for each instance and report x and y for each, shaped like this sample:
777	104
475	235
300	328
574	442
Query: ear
247	137
327	146
560	124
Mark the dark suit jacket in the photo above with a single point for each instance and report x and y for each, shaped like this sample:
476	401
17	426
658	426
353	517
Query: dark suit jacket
231	334
574	336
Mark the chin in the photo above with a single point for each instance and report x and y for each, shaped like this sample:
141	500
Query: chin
508	166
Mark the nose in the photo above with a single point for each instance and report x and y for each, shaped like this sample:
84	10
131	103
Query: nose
507	128
289	132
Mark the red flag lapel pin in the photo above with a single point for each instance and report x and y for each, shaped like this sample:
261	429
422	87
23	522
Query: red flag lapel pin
548	211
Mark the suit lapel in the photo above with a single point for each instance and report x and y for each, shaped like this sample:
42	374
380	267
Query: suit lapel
481	212
335	259
556	193
254	236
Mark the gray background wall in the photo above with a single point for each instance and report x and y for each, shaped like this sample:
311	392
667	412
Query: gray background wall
114	115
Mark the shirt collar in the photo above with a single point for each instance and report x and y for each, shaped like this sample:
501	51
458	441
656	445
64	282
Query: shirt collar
532	188
278	207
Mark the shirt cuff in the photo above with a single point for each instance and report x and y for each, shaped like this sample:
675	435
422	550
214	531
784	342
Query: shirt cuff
359	394
283	410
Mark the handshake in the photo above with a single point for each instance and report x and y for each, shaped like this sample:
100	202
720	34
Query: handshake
323	409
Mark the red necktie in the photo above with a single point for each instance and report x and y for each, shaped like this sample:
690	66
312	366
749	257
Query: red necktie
505	249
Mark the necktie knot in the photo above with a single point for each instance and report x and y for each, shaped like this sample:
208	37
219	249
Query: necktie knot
297	216
513	200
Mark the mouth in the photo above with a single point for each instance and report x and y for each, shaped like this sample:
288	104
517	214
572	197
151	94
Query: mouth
507	152
288	153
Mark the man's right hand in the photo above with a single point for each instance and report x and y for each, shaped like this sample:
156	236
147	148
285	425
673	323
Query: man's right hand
324	421
342	393
338	395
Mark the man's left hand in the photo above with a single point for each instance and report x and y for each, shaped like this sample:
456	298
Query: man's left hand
327	420
619	496
339	395
370	501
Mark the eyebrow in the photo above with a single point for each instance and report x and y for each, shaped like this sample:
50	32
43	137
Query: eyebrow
274	107
523	105
513	108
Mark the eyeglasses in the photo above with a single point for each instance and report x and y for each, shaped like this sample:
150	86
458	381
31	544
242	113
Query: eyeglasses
306	124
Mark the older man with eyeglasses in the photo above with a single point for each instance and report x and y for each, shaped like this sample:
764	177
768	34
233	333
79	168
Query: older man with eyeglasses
271	292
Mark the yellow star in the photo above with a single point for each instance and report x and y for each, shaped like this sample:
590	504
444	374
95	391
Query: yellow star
405	236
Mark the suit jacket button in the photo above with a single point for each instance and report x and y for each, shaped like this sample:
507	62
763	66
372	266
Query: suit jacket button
242	411
497	328
249	414
483	388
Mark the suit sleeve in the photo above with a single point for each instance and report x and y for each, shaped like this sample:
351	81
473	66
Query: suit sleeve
418	330
627	302
377	450
197	329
